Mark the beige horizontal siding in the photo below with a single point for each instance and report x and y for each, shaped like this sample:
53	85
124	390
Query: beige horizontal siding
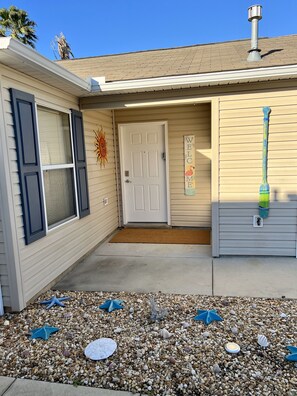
45	259
240	173
4	282
3	265
192	211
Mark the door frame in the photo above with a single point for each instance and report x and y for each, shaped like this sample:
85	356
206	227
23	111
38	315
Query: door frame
121	151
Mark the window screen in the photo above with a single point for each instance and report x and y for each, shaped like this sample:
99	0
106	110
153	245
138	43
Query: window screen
57	166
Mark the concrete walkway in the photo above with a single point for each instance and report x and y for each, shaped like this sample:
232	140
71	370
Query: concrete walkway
23	387
181	269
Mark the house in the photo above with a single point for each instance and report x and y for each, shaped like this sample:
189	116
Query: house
57	202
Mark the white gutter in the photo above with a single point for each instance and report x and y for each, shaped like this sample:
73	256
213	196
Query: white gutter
15	49
194	80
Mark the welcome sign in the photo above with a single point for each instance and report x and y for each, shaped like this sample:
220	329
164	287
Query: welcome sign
189	151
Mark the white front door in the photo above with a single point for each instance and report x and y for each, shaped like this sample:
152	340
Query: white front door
143	166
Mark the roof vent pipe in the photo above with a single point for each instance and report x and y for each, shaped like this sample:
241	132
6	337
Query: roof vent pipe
254	15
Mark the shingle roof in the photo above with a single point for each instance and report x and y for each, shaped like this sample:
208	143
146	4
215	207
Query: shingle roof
206	58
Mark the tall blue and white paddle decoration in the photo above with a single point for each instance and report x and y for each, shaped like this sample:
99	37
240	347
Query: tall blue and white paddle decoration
264	188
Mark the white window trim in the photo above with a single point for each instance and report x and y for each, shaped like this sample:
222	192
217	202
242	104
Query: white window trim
57	166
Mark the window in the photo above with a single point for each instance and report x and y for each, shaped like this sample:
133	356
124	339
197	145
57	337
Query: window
57	165
53	173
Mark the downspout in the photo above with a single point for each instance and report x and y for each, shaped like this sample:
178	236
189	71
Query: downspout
116	157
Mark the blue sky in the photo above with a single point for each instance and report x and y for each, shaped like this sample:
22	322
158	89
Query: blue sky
98	27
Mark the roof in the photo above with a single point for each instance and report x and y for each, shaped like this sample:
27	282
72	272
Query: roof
196	59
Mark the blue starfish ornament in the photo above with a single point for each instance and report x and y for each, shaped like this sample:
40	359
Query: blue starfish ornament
292	357
111	305
55	301
208	316
43	332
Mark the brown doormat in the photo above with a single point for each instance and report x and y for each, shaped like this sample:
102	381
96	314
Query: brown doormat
162	236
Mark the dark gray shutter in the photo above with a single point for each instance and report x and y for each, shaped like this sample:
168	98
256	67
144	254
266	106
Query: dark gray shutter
24	115
80	163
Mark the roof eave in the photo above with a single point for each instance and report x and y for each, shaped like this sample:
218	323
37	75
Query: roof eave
17	56
195	80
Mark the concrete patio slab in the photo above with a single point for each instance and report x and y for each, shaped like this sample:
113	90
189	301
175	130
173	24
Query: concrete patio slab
272	277
26	387
5	383
141	274
152	250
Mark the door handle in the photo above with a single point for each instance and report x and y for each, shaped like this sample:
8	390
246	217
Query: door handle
128	181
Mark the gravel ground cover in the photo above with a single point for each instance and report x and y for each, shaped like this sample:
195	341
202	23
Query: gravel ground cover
191	361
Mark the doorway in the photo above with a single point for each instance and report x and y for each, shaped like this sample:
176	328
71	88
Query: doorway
144	172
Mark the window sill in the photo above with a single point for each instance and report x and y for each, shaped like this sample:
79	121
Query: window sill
61	224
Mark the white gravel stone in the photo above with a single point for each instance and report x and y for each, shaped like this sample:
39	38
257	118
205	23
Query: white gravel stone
183	364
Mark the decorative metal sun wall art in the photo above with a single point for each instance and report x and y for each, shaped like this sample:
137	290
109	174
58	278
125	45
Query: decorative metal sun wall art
101	147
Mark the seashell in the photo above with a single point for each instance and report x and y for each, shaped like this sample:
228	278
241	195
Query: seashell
232	347
171	360
165	334
66	353
118	330
25	353
185	325
262	341
100	349
257	375
234	330
283	315
205	334
69	335
232	312
216	369
6	323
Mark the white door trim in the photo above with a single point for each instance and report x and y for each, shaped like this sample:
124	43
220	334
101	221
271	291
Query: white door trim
121	149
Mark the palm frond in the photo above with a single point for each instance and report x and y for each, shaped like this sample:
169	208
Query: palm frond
15	22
